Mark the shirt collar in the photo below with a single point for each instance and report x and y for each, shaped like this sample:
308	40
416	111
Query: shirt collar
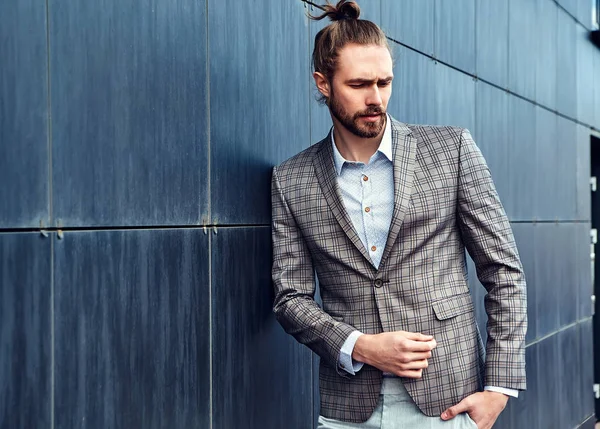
385	147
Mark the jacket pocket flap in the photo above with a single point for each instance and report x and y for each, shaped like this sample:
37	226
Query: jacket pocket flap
453	306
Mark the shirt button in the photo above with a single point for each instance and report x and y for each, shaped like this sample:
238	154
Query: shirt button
373	248
365	178
367	209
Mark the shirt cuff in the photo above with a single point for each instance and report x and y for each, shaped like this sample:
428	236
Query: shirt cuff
510	392
345	361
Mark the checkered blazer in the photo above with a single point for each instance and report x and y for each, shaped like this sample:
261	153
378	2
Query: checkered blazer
445	201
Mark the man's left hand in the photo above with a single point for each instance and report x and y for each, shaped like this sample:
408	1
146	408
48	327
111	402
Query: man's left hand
483	407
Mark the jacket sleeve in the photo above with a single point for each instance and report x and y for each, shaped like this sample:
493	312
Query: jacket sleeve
294	283
488	237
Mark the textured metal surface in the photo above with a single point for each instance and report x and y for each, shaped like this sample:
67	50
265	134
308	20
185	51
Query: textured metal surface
414	89
547	182
521	43
568	392
525	237
492	41
583	270
490	133
566	62
455	33
549	257
583	173
586	108
567	289
25	331
129	112
23	115
131	330
259	97
410	22
522	152
262	377
586	372
525	408
455	98
549	382
566	171
546	36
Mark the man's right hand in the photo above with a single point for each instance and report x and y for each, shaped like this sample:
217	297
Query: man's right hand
402	353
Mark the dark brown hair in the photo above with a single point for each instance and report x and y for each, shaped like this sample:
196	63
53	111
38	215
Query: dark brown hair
345	28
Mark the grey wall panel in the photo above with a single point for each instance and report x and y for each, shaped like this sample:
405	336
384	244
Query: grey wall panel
23	115
583	269
491	134
546	33
586	362
586	109
585	15
263	378
570	6
548	256
410	22
524	409
523	172
566	273
522	42
549	377
566	62
565	194
525	237
568	392
455	33
596	119
547	162
492	41
455	98
25	331
414	89
131	323
128	112
259	98
583	173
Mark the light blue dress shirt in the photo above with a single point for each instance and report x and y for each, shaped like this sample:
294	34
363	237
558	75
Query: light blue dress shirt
368	195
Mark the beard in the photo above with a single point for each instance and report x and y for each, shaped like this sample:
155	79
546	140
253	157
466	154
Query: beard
353	122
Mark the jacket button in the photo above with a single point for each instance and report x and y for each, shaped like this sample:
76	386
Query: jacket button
378	283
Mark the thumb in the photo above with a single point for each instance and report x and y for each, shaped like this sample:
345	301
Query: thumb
452	412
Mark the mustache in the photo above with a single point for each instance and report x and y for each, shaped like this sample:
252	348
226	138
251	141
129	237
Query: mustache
371	111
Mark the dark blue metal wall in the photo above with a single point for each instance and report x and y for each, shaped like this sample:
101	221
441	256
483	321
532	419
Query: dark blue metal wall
139	138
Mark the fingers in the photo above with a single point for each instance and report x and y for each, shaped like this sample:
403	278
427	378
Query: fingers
415	336
416	364
452	412
419	346
411	373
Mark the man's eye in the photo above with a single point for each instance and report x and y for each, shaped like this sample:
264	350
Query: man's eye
357	85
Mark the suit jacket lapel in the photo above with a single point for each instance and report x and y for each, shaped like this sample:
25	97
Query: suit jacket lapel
327	177
404	147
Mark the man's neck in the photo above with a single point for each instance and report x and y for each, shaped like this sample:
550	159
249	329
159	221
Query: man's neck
353	147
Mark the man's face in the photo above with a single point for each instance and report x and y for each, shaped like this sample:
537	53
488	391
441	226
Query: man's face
361	88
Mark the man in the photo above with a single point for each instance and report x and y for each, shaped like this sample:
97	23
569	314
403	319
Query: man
383	212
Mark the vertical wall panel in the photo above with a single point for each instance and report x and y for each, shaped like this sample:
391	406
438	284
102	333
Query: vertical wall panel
492	41
583	173
521	153
414	88
129	112
263	378
522	32
547	162
410	21
570	6
132	336
455	98
259	97
490	133
524	409
566	173
586	373
568	392
583	269
545	35
525	237
566	277
566	62
23	115
549	245
25	331
549	378
585	77
455	33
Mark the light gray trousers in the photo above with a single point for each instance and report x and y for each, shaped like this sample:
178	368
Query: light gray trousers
396	410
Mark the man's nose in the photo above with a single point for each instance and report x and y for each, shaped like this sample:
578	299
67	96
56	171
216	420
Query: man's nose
374	98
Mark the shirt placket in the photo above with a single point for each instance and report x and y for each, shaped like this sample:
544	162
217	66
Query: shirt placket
368	215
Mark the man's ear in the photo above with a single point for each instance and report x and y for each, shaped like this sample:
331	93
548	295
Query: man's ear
322	84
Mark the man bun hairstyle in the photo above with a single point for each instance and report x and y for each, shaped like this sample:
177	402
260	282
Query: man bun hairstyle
346	27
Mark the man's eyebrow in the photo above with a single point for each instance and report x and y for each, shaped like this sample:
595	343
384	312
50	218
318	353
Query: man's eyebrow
364	80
